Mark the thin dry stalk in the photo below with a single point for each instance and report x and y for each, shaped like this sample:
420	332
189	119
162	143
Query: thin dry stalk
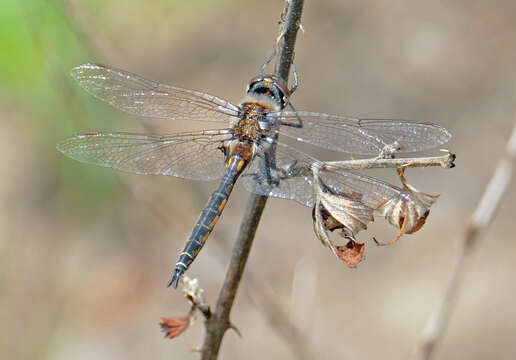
445	161
219	322
479	221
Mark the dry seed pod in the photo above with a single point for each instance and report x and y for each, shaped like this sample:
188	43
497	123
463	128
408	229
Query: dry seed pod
352	214
407	211
345	208
339	211
350	254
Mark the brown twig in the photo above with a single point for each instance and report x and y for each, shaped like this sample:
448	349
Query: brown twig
289	32
445	161
219	322
479	221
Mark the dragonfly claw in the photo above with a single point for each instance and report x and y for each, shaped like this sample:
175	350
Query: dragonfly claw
175	278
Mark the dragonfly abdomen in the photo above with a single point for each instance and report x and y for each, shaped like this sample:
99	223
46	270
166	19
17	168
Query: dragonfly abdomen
208	218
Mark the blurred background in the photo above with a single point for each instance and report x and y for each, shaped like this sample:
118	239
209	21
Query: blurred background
85	252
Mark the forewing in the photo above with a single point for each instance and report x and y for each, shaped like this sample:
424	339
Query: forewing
191	156
360	136
136	95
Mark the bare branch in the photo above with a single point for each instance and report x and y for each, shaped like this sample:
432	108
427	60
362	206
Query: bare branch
289	32
219	322
479	221
445	161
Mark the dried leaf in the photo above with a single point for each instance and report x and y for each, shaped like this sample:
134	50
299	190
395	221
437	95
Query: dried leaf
407	211
321	224
352	214
175	326
336	210
340	211
346	209
352	253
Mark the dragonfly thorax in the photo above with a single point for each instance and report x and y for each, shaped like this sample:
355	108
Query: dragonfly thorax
251	124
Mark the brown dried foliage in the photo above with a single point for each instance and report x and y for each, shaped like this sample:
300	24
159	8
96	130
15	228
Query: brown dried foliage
407	211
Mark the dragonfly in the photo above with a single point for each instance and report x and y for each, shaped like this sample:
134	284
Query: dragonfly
247	143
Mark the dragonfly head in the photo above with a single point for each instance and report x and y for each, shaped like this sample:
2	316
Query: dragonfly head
271	87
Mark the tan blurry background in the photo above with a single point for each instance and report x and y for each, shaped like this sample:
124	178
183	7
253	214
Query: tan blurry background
85	252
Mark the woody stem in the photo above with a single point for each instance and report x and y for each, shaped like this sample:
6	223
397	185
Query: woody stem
219	322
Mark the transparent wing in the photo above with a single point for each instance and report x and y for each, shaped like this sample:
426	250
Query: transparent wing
368	190
289	177
359	136
193	155
285	175
136	95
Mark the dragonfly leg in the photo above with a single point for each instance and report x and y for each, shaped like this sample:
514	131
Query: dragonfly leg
296	79
267	62
269	166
